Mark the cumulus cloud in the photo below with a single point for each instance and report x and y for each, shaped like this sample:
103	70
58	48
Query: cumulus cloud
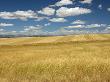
64	11
42	18
32	28
64	31
100	6
4	32
78	22
37	30
58	20
1	30
5	24
95	25
108	27
108	9
107	30
75	26
47	24
86	26
23	15
47	11
86	1
64	2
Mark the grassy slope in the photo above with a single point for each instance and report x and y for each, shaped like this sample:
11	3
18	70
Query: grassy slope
56	39
79	58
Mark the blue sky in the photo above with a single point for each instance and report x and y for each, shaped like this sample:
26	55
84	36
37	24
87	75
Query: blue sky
54	17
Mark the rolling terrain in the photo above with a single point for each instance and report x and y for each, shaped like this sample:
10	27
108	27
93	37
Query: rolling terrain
73	58
54	39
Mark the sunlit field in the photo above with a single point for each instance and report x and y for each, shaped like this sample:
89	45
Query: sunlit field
74	58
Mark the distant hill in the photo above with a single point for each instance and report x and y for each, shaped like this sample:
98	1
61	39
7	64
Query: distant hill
53	39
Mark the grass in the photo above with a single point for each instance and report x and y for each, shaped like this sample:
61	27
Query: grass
79	58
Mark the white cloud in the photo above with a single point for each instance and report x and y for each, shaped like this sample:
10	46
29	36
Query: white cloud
100	6
64	2
64	11
86	1
58	20
64	31
108	9
14	31
7	15
4	32
1	30
5	24
108	28
41	18
86	26
75	26
23	15
95	25
78	22
32	28
47	24
47	11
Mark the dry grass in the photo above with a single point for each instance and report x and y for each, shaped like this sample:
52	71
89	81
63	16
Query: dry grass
83	58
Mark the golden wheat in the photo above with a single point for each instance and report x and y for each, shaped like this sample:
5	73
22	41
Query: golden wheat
79	58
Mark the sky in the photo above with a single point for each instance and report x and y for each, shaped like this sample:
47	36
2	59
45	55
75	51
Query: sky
54	17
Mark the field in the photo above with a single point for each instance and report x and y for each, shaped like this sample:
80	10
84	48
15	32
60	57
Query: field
74	58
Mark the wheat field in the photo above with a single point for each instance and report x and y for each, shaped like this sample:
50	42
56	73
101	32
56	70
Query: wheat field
73	58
